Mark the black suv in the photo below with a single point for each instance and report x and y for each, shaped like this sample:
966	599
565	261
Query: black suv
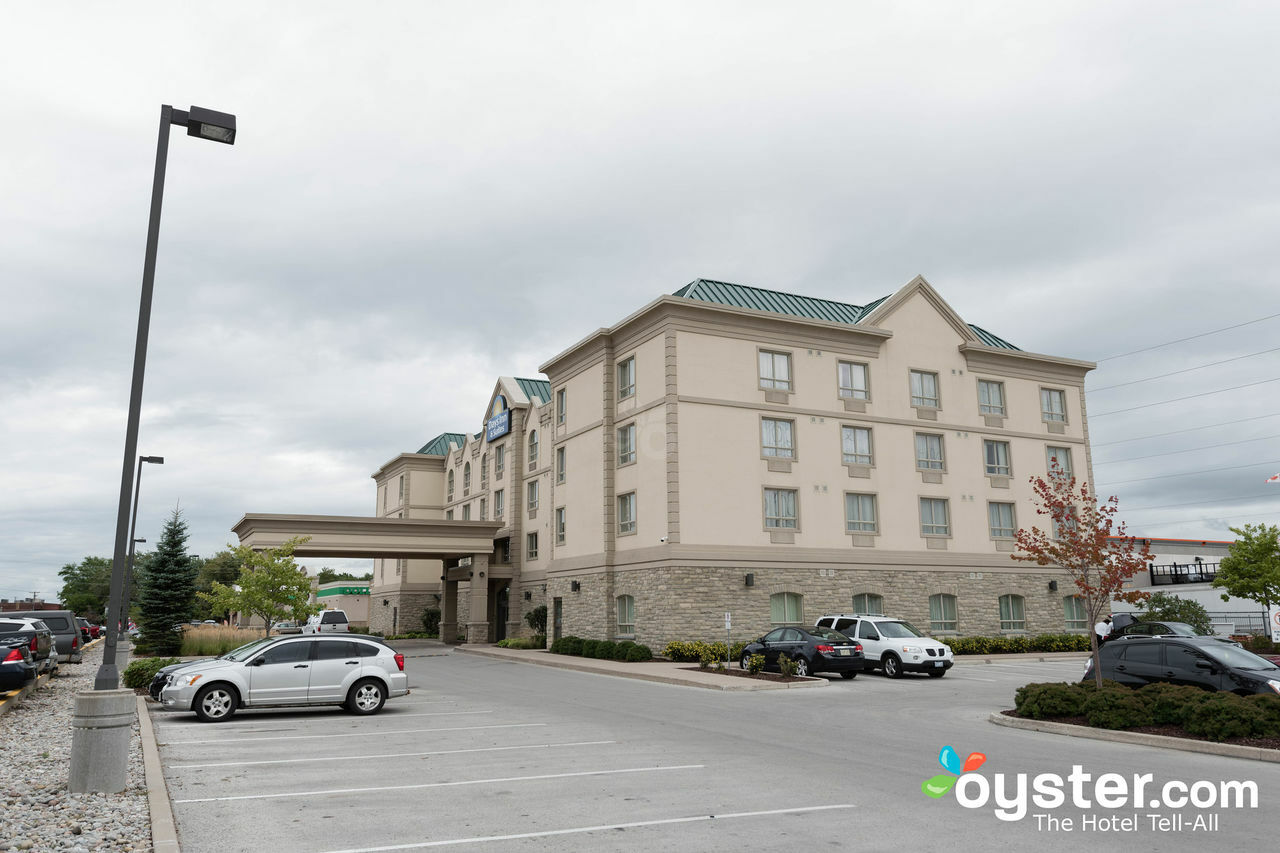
1199	661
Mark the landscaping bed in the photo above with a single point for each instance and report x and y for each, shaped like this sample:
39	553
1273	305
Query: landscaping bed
742	673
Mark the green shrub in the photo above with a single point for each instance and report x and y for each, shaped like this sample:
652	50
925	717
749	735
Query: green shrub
139	673
520	643
638	653
755	664
1046	701
1117	709
1171	704
692	652
708	660
431	621
589	648
1225	715
1014	645
620	649
1268	706
537	619
569	645
786	666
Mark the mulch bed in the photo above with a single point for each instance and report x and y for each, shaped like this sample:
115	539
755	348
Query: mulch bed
1168	730
742	673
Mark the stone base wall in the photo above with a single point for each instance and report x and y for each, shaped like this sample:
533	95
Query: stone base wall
411	607
689	603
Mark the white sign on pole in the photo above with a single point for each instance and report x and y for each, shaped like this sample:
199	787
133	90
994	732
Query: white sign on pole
1275	627
727	624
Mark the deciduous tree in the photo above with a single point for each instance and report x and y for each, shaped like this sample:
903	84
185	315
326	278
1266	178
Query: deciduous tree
1252	568
86	585
271	586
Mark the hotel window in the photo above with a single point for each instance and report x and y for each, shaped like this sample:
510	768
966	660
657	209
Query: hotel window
382	497
991	398
853	380
560	406
533	450
484	509
924	389
627	444
855	444
531	546
929	452
1074	613
448	515
466	512
532	502
996	454
627	378
942	612
1068	523
401	490
504	550
775	371
780	509
786	608
401	565
484	470
860	513
466	479
560	464
1061	455
499	461
560	526
627	513
868	603
626	615
1053	405
777	438
1012	615
934	518
499	504
1000	516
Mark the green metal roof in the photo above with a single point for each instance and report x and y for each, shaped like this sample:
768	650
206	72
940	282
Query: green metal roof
758	299
439	446
535	388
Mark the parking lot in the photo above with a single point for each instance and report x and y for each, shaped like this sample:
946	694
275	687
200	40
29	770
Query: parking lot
503	755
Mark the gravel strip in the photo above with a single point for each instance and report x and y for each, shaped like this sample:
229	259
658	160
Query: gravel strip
37	812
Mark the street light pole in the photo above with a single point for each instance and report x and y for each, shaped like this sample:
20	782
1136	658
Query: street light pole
123	621
219	127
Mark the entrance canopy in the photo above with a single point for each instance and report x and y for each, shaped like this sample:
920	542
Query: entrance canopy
361	536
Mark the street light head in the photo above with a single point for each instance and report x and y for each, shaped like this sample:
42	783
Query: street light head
139	540
154	460
211	124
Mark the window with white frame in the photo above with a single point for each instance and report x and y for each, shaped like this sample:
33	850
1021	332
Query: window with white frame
627	444
786	608
942	612
854	384
531	502
868	603
1012	613
991	398
627	513
1053	405
1000	518
1065	522
780	509
627	378
929	452
450	490
935	519
484	509
855	445
561	399
1073	611
533	449
860	513
484	470
626	615
775	370
560	525
560	464
924	389
531	546
382	499
499	504
1062	456
448	515
466	512
466	479
401	490
996	454
777	438
499	461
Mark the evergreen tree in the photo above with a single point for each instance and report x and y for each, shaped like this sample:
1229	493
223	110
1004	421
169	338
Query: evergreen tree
168	589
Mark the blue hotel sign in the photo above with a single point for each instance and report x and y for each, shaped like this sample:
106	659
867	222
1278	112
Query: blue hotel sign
498	425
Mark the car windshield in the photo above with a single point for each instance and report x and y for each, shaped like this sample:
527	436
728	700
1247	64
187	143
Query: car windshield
247	649
828	634
1239	658
898	630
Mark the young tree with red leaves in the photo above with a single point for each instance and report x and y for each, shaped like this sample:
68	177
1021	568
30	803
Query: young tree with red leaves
1085	542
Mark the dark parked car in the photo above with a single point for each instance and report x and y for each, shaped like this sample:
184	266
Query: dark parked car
1199	661
1162	629
66	634
814	650
33	634
86	632
16	667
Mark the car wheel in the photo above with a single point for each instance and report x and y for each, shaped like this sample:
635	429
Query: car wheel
366	697
937	673
802	667
745	662
215	703
848	675
892	665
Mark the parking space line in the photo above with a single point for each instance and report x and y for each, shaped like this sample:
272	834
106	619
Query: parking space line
347	719
350	734
392	755
599	828
280	795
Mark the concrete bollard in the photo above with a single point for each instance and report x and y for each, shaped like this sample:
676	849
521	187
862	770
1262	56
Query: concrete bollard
101	727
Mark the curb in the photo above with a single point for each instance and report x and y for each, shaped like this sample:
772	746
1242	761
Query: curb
164	832
1029	657
569	662
1230	750
12	699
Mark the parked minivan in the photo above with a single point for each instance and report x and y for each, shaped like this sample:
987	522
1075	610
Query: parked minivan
326	621
66	633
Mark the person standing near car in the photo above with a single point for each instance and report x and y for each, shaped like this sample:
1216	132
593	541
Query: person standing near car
1103	630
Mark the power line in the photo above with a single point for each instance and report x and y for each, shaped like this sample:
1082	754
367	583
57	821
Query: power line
1186	370
1188	450
1188	429
1189	473
1189	397
1201	518
1192	338
1273	494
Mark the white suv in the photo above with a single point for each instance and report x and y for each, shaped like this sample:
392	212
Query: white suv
326	621
894	645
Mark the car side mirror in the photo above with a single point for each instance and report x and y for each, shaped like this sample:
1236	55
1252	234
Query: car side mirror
257	662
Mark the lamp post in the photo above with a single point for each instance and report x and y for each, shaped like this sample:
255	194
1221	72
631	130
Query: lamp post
208	124
123	621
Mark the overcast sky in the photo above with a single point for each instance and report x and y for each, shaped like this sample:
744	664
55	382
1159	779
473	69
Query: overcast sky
424	196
